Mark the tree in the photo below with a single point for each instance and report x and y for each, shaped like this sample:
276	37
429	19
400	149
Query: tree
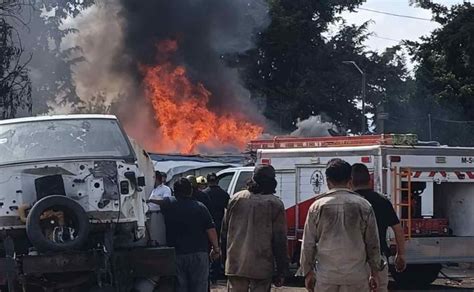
15	86
51	63
444	87
298	67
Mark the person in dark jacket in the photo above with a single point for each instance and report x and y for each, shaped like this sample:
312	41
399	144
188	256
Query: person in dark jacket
219	199
198	194
190	230
386	217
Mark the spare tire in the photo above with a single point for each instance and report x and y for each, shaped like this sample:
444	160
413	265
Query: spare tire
72	212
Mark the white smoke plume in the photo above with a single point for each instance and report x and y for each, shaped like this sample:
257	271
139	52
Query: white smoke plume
314	126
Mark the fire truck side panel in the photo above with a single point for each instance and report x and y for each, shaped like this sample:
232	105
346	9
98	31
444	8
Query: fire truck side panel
455	201
448	174
286	190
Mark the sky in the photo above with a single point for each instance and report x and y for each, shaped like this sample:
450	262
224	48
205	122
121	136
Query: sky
390	29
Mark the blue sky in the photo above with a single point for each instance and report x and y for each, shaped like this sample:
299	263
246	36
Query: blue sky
391	27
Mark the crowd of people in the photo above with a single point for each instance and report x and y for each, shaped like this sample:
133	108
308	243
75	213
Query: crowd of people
343	248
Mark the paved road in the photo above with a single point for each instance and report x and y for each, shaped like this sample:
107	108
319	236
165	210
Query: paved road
439	285
458	280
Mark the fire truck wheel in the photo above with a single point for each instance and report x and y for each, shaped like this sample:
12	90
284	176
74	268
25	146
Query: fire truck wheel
416	276
57	223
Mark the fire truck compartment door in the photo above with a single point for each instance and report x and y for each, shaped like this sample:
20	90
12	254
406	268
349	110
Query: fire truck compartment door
423	250
311	181
285	189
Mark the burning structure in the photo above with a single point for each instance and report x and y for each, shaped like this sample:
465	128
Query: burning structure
176	92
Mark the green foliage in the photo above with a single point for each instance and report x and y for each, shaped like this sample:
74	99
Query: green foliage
52	62
444	75
15	86
298	70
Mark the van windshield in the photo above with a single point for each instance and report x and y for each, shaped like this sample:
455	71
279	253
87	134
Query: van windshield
62	139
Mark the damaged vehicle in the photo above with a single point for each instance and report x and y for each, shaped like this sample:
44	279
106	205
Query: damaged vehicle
72	208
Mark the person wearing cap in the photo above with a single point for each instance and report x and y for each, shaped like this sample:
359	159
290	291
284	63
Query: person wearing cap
253	236
340	238
157	229
219	199
197	193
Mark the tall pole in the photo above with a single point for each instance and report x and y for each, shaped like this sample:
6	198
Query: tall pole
364	124
429	125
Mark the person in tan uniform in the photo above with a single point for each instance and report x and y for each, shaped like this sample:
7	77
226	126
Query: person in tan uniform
340	238
254	236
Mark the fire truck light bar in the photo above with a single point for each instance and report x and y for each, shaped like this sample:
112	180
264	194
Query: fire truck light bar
337	141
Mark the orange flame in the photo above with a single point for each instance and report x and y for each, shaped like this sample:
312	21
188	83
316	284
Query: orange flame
181	110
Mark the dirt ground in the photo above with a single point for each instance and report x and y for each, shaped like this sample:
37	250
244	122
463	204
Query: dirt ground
454	279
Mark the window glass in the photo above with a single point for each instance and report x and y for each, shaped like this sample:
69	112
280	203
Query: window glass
224	180
241	184
62	139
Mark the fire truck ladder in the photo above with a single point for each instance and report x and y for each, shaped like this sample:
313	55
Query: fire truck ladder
399	174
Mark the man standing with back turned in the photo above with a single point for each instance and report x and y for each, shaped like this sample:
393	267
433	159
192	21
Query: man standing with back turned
219	201
254	235
190	229
340	237
386	217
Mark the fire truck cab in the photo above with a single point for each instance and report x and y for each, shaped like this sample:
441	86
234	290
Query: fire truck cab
431	188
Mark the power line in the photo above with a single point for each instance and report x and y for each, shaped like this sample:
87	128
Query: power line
393	14
385	38
453	121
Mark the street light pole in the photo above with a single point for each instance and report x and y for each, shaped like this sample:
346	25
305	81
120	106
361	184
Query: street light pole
364	124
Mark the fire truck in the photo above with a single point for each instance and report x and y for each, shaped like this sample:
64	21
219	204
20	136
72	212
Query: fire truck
430	186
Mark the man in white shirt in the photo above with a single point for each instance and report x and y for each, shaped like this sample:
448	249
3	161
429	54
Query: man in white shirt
157	227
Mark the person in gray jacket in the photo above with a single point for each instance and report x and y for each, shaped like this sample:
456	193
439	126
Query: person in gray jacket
340	237
254	236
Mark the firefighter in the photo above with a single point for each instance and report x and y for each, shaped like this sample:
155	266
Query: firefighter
340	237
386	217
202	182
254	235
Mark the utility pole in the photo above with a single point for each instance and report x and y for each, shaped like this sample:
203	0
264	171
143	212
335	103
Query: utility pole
364	123
429	127
382	116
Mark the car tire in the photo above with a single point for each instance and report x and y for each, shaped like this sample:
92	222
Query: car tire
73	209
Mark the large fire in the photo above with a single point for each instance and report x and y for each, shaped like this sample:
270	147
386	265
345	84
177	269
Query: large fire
181	110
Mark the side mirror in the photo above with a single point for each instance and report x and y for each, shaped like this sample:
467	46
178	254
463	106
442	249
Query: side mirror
141	181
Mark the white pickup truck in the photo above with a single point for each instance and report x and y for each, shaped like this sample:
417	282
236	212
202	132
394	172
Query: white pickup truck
72	207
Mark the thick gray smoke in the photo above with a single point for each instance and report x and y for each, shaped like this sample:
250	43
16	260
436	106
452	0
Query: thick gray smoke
118	36
314	127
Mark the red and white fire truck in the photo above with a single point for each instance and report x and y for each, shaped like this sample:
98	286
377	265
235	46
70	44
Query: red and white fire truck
430	186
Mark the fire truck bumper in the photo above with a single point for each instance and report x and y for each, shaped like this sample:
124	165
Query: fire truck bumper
424	250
